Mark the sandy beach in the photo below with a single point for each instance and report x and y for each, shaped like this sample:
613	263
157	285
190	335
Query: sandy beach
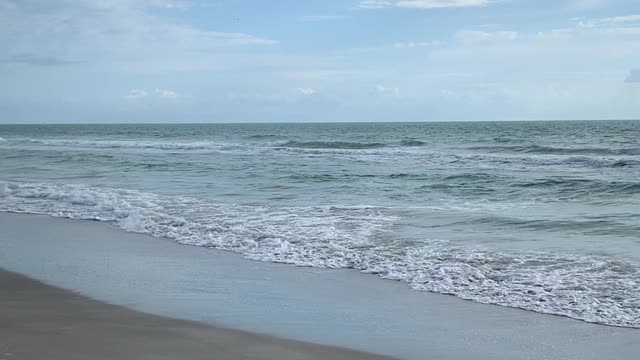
291	180
342	308
38	321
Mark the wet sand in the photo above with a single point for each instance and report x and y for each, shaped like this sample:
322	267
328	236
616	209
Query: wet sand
38	321
342	308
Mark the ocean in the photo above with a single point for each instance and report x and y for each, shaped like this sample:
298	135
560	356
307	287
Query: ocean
541	216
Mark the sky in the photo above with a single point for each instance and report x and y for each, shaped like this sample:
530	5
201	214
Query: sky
191	61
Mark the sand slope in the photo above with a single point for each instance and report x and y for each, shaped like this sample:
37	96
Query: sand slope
42	322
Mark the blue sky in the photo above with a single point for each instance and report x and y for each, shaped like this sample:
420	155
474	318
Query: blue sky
330	60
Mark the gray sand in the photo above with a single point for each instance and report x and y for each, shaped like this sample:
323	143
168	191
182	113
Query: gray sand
42	322
335	307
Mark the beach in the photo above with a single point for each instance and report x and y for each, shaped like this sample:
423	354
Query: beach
363	179
40	321
341	308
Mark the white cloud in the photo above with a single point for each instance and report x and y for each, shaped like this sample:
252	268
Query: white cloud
586	4
122	34
374	4
625	25
165	94
554	34
634	76
481	71
35	60
415	44
478	36
307	91
170	4
479	94
102	5
384	90
433	4
135	94
609	21
421	4
449	94
623	19
7	5
124	4
312	18
140	94
623	31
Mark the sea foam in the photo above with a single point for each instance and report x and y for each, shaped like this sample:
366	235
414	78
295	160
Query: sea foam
592	288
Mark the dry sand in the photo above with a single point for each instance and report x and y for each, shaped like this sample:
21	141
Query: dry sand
38	321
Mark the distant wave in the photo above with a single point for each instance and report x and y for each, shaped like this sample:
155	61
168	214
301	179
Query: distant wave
128	144
551	160
405	148
412	142
569	185
332	145
206	145
601	226
372	150
536	149
264	137
350	145
592	288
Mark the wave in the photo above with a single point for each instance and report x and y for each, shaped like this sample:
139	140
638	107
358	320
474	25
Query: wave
412	142
445	157
439	157
600	225
406	148
131	144
349	145
587	288
263	137
536	149
576	187
590	288
205	145
554	160
332	145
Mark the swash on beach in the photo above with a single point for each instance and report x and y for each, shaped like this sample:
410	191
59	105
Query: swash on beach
541	216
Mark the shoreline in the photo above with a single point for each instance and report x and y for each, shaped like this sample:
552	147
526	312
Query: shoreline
342	308
41	321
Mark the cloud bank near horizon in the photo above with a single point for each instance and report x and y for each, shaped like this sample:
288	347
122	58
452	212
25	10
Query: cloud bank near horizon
367	60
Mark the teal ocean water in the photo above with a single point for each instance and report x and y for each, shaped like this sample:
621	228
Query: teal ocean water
543	216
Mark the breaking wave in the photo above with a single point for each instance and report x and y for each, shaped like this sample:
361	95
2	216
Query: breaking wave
592	288
332	145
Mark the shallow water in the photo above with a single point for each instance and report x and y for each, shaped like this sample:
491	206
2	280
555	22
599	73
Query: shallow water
542	216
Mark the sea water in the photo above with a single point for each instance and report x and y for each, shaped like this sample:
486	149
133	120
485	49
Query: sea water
542	216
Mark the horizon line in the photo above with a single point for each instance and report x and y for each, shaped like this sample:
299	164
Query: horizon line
314	122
